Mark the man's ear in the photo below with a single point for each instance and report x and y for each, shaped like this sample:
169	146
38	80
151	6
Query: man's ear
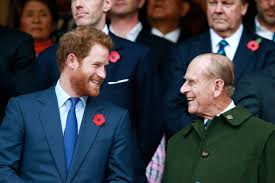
185	7
219	86
71	61
140	3
244	8
107	5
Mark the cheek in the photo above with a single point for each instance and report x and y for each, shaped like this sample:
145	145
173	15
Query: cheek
25	24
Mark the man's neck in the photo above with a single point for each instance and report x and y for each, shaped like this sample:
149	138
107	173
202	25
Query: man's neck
123	25
217	108
267	26
165	27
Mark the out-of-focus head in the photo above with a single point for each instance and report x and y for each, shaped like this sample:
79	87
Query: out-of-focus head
90	12
225	16
82	55
266	12
209	83
166	10
38	18
126	7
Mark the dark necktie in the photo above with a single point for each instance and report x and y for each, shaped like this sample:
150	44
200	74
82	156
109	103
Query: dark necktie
273	37
222	45
70	133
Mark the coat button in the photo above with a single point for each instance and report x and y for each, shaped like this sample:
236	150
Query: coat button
204	154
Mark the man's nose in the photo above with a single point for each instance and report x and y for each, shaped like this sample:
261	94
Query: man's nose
184	88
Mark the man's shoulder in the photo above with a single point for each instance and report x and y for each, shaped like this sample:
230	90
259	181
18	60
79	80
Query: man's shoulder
194	44
13	41
121	43
32	98
264	44
241	118
50	51
145	37
13	34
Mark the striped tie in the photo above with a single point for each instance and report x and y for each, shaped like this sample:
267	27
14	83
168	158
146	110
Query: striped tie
222	45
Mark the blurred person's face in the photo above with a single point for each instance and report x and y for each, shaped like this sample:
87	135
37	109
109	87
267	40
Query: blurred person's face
89	73
37	20
198	89
90	12
225	16
164	9
266	11
126	7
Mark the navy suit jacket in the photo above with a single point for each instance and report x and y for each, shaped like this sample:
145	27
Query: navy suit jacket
17	62
32	146
256	93
160	49
245	61
131	83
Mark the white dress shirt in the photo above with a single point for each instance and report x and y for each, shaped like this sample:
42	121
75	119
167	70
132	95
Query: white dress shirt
233	42
64	106
132	34
262	31
170	36
105	29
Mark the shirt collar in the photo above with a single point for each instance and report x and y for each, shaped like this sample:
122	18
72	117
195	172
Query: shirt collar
63	96
234	39
230	106
262	31
171	36
105	29
132	34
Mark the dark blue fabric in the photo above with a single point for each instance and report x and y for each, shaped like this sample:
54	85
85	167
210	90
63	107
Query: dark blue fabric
70	133
17	61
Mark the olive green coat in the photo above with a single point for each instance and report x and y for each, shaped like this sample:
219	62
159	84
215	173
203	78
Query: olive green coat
235	148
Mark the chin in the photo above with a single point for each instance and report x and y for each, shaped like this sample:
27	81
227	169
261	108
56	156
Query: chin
94	92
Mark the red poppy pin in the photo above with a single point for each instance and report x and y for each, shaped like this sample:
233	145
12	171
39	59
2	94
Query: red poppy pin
254	45
114	56
98	119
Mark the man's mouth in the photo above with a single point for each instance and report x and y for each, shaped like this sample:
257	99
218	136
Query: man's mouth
190	99
97	82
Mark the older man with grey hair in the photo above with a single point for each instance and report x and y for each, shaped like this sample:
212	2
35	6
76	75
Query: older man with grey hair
227	144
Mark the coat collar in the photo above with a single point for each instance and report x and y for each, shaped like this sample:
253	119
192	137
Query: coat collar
116	41
235	117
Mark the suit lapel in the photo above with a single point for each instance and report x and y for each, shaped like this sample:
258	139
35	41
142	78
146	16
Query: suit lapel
242	57
111	67
87	134
203	44
50	119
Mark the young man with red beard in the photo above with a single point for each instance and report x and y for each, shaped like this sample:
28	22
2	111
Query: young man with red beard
62	135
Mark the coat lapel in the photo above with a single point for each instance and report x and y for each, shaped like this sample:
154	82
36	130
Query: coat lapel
50	119
87	134
203	44
243	57
111	67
